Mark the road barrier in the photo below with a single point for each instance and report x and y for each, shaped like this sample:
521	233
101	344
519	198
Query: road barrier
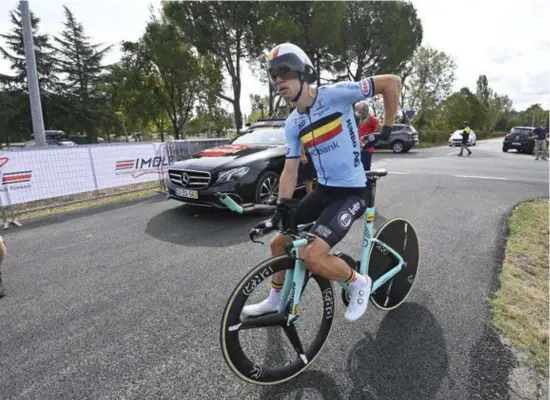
59	175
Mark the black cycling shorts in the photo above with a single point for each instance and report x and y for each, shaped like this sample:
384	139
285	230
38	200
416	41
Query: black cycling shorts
334	209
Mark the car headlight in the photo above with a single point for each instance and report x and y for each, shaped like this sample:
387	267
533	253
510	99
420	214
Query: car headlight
232	174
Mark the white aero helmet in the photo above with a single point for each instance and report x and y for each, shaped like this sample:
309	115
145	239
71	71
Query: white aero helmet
289	57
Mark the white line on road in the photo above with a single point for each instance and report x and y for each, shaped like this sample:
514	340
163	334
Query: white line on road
398	172
450	154
481	177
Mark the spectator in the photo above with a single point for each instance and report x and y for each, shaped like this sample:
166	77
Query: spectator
367	126
465	136
540	142
2	257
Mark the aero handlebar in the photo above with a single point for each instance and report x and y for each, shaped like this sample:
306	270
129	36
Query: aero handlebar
268	226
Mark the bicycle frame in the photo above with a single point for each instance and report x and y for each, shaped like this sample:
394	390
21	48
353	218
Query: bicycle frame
294	278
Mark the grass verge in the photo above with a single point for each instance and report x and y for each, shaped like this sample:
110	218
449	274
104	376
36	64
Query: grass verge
520	307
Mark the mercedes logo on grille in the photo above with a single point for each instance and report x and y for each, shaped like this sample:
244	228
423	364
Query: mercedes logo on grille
184	179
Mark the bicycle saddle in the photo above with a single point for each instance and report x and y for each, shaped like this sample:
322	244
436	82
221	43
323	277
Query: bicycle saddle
376	173
287	204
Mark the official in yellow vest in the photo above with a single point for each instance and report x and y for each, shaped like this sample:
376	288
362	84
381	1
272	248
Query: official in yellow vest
465	136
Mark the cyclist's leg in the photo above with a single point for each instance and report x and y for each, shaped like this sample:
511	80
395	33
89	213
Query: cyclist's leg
331	227
308	211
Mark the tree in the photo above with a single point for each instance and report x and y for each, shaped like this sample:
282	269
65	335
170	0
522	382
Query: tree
80	64
215	121
314	26
176	74
459	107
432	75
377	37
260	107
493	105
483	91
228	31
15	54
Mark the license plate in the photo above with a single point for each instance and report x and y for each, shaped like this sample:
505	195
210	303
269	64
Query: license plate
190	194
516	143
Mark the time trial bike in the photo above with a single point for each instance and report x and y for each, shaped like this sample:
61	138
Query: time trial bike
390	258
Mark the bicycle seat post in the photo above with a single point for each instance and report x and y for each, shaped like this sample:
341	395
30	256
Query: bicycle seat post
371	192
288	217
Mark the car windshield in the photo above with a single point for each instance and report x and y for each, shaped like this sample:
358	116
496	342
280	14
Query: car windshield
267	136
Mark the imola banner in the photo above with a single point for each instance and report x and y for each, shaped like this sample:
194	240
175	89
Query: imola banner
30	174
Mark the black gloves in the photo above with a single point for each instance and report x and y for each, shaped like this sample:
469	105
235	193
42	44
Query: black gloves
385	134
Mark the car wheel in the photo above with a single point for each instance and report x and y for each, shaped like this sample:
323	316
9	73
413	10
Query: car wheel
505	149
397	146
267	186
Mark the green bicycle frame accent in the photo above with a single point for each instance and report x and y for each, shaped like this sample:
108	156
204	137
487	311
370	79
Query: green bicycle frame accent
295	278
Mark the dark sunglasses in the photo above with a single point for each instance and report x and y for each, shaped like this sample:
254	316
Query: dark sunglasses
284	73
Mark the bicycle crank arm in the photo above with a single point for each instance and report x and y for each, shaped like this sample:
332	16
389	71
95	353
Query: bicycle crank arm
262	321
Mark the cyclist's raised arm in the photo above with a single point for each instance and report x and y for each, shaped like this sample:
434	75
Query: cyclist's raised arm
350	92
289	176
389	86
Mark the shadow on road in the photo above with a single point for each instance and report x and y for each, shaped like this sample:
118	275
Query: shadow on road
201	227
324	386
194	226
301	387
407	359
66	216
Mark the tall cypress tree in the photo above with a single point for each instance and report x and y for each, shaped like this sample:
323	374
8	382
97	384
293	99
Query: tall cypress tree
14	52
80	64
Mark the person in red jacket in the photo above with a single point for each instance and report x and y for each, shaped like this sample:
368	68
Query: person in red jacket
367	126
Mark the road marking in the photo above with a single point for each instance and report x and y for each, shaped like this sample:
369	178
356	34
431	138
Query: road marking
481	177
450	154
398	172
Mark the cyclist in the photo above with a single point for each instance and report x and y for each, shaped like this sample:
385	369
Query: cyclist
323	120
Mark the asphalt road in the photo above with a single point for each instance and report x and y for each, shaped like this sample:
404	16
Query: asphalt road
125	302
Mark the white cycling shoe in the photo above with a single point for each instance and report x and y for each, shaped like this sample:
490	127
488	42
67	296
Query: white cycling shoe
359	300
266	306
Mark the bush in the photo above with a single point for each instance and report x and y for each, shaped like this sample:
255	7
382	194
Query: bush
431	137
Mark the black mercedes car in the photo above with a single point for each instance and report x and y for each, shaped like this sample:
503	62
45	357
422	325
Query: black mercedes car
247	169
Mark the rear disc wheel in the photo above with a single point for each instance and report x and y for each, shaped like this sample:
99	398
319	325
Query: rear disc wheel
400	235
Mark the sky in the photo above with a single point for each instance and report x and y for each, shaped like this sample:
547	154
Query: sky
513	50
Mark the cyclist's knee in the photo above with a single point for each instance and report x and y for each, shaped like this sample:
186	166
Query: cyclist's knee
278	244
313	257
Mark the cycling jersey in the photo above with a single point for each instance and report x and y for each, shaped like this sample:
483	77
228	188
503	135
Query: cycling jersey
329	133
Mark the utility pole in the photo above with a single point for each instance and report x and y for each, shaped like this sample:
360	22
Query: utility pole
32	76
